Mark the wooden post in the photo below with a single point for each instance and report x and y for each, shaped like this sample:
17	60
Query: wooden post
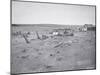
25	37
37	35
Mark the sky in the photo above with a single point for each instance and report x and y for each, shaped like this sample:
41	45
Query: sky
46	13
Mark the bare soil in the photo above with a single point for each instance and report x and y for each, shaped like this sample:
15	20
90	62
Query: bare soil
58	53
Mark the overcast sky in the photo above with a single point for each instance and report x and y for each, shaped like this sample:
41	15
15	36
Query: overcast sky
43	13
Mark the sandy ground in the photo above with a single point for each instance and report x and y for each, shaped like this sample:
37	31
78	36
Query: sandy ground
53	54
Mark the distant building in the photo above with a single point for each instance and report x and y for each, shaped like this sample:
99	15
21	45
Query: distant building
90	27
87	27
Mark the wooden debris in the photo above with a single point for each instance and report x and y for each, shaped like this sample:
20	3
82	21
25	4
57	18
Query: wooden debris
25	37
38	37
58	45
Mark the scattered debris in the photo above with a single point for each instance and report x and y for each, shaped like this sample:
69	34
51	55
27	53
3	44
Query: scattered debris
62	44
62	32
58	45
44	37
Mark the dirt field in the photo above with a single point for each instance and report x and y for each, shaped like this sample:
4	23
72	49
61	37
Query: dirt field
52	54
